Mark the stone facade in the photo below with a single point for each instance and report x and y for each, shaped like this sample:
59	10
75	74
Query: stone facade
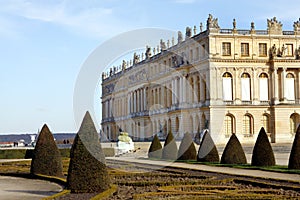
225	80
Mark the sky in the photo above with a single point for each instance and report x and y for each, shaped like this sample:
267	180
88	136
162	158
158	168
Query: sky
44	44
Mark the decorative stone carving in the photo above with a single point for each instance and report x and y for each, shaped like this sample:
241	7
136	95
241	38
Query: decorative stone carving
180	38
162	45
136	58
138	76
274	26
175	61
201	27
252	30
124	65
273	51
188	32
297	26
298	53
234	24
195	30
148	52
109	88
212	24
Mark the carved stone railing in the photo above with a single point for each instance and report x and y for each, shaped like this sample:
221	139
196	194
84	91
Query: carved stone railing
246	102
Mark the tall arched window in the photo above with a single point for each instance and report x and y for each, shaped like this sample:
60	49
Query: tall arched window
245	86
227	86
263	87
265	122
177	125
294	122
247	125
290	87
228	125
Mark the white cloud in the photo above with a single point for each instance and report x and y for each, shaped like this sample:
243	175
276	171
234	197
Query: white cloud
95	21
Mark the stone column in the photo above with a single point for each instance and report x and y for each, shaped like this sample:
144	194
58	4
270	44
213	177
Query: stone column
283	77
159	95
131	102
154	97
237	89
172	92
134	101
181	94
254	85
162	95
201	90
184	89
275	86
176	91
196	90
145	99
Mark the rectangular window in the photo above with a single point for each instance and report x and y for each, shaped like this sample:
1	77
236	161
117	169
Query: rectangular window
226	48
244	49
262	49
289	50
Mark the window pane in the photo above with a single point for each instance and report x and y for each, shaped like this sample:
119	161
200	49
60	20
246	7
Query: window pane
245	89
262	49
263	89
290	89
227	89
247	125
245	49
289	50
226	48
228	126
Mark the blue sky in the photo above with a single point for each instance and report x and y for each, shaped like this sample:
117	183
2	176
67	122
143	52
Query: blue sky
43	45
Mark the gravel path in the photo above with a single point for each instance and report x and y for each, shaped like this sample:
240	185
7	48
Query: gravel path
12	188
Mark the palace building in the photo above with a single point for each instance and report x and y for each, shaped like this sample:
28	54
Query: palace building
224	80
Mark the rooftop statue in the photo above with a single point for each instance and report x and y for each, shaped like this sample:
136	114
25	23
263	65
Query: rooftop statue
188	32
212	22
180	38
136	58
124	65
148	52
162	45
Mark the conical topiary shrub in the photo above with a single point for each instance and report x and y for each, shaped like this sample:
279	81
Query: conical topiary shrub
187	149
233	152
170	148
87	170
46	157
207	151
262	153
155	150
294	161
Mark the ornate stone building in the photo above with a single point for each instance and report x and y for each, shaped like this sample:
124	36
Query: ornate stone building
225	80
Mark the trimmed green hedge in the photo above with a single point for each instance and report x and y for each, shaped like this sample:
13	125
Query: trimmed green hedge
27	153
